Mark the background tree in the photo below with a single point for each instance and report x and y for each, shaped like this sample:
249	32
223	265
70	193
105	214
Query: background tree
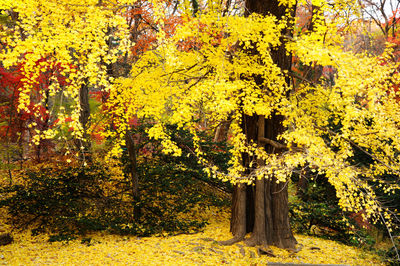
74	40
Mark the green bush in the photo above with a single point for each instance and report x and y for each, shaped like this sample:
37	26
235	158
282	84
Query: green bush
318	213
68	201
57	199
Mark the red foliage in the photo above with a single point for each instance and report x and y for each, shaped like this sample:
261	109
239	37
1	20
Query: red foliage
13	122
143	27
360	221
394	32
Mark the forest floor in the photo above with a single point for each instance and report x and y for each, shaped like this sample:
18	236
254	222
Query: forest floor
185	249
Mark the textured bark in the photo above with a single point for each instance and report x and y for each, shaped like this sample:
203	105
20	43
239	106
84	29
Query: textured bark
248	211
132	151
282	234
85	107
259	232
278	195
270	213
221	133
238	219
83	145
249	125
302	187
250	208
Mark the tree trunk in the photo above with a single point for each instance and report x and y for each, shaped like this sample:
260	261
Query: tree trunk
266	207
221	132
132	152
239	217
83	145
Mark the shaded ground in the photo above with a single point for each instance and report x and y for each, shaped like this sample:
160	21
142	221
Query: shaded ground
185	249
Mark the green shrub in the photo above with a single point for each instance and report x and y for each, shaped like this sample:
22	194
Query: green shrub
67	201
318	213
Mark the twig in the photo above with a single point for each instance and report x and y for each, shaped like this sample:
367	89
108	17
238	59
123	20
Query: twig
273	143
391	237
359	147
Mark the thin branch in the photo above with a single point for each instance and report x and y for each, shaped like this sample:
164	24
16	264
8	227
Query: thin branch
391	237
276	192
273	143
360	148
295	75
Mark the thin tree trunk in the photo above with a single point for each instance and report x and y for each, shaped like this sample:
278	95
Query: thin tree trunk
221	133
83	145
132	152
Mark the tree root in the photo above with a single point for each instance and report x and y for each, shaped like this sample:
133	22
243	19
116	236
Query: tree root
255	240
231	241
266	251
250	242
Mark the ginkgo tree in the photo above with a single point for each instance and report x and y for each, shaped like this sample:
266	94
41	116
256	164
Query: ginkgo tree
221	67
217	67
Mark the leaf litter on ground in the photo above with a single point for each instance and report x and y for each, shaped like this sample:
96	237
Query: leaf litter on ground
199	248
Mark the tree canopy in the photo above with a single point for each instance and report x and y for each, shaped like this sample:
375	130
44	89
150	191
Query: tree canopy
214	65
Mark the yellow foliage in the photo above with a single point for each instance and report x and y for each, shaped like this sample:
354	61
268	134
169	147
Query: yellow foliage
186	249
69	36
205	72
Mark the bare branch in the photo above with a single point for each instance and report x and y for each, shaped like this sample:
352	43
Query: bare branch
273	143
